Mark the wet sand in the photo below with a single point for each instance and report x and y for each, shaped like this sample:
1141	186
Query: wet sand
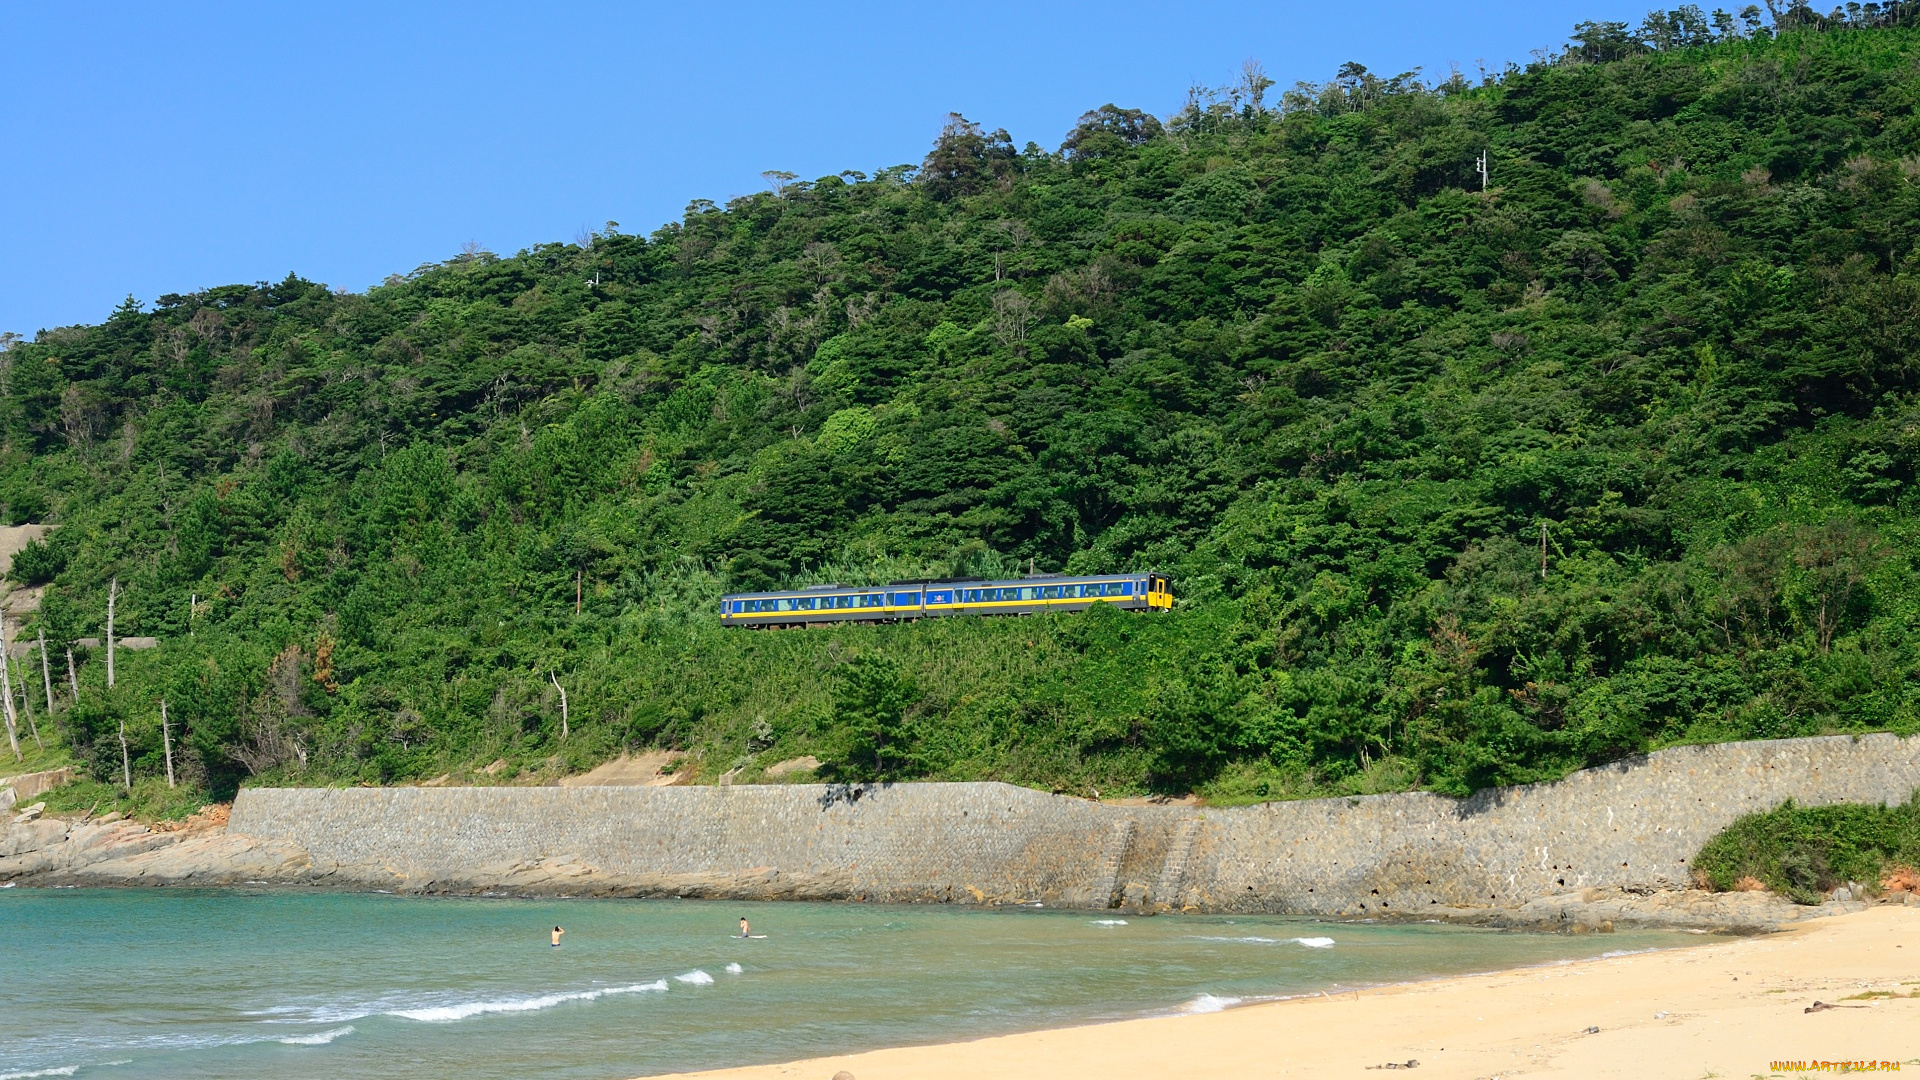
1728	1008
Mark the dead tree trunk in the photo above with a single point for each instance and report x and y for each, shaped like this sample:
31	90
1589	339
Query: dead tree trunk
6	695
166	740
563	704
26	706
126	761
46	670
113	590
73	679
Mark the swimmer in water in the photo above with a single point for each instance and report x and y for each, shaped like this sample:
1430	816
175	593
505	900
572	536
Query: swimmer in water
556	936
744	929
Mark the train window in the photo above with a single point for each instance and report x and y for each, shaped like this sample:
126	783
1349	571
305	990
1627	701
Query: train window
876	600
906	599
1126	588
1050	592
805	603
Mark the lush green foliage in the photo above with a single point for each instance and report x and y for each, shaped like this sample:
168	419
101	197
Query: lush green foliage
1804	851
1456	486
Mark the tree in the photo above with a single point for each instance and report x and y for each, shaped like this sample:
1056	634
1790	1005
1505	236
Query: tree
1110	130
966	160
871	702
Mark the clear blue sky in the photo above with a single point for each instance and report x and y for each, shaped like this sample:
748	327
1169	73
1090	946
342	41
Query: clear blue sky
155	148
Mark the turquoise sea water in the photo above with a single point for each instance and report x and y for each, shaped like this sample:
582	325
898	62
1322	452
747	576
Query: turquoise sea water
216	984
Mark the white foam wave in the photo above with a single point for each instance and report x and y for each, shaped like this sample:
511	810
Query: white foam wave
440	1014
734	969
1207	1003
696	977
318	1038
1309	942
1109	922
64	1070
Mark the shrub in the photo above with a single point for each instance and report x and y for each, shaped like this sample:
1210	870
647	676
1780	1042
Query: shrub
1803	851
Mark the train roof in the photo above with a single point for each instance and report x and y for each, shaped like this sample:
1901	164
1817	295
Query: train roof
998	583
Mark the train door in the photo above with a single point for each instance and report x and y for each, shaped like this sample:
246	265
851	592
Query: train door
1159	594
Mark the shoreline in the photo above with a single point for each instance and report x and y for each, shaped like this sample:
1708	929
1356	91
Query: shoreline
1726	1007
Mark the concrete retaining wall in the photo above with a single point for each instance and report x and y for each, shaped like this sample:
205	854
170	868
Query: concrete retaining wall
1634	824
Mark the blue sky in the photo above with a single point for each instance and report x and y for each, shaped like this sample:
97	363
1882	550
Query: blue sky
147	149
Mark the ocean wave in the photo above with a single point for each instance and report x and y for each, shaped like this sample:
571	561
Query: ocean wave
734	969
64	1070
696	977
318	1038
441	1014
1207	1003
1109	922
1309	942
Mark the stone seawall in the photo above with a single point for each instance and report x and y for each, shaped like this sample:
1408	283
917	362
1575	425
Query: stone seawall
1629	826
886	842
1632	825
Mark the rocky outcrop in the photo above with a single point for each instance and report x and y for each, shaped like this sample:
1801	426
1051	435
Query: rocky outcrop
19	789
1601	909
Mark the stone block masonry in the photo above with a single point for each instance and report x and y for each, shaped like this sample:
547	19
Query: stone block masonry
972	843
1632	825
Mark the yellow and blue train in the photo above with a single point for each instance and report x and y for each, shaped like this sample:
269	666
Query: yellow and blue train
818	604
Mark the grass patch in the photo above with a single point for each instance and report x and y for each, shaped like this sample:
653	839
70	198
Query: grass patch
150	800
1802	852
1241	783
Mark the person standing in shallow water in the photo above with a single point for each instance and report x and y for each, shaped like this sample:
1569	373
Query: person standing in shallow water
556	936
744	929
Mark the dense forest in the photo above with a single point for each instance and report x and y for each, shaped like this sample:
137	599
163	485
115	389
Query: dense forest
1462	477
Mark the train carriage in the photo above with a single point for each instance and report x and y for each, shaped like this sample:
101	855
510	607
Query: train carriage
819	604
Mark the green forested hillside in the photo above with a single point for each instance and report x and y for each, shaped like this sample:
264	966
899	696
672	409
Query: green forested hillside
1456	486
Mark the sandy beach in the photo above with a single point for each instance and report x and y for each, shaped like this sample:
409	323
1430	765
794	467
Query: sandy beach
1728	1008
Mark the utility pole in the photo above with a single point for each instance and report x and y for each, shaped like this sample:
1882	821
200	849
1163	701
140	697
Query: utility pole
563	704
1543	551
1482	163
